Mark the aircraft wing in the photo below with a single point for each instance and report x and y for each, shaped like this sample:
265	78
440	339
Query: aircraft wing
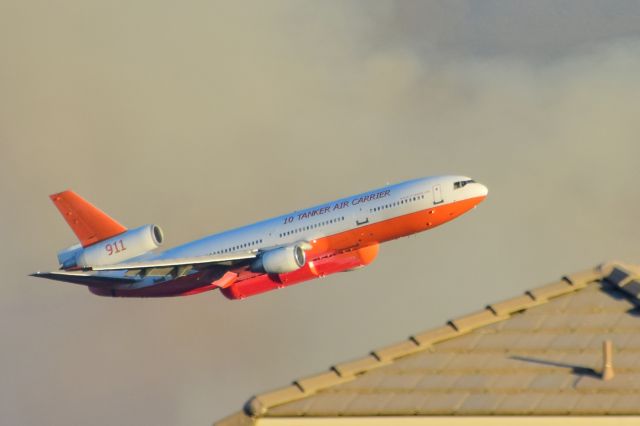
216	259
136	270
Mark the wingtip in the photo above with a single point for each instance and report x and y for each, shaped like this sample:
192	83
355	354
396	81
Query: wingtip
56	196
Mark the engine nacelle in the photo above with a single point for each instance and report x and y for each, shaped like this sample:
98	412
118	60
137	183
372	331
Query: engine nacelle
115	249
280	260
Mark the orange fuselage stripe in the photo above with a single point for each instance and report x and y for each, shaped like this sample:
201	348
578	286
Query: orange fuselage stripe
390	229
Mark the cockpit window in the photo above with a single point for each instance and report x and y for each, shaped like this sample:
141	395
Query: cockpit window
462	183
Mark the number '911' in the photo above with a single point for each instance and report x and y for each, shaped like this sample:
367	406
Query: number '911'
116	247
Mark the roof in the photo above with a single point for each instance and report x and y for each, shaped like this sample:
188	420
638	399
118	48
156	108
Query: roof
536	354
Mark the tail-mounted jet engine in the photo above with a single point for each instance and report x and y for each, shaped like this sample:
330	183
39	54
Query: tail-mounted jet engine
280	260
116	249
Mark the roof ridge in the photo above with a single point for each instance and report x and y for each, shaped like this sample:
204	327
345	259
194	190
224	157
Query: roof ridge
624	277
492	313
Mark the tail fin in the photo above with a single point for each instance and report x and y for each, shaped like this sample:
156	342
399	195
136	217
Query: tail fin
89	223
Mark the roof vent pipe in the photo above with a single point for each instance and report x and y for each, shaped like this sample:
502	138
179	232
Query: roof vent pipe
607	360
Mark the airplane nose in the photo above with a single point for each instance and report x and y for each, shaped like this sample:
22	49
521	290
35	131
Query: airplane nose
482	190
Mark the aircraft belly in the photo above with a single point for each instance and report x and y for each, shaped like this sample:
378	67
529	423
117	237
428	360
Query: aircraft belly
165	288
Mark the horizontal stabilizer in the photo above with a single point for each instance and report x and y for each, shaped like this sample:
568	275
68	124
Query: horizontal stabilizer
180	261
83	278
90	224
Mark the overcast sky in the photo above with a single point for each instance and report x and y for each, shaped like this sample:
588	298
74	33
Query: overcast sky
202	116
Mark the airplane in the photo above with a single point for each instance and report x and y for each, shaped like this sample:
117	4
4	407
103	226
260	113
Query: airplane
337	236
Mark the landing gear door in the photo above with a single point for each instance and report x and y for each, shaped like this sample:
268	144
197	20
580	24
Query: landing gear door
437	194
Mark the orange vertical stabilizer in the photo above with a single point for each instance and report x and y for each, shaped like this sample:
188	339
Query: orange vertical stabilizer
89	223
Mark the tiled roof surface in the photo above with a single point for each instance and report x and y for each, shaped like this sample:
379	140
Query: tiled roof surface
540	353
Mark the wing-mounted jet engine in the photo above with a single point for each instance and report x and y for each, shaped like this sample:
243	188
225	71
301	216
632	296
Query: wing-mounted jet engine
280	260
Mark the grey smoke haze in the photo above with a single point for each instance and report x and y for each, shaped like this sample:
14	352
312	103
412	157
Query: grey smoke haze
204	116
